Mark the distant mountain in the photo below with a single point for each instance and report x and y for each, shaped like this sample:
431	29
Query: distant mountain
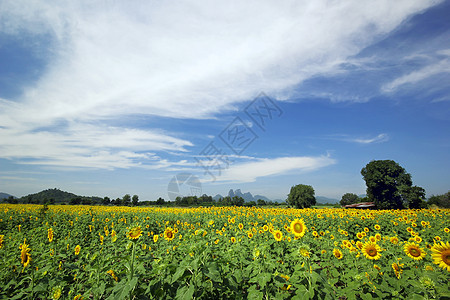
323	200
217	197
246	196
5	195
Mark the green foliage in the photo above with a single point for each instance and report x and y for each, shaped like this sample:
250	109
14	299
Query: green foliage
440	200
135	200
349	198
126	200
390	186
301	196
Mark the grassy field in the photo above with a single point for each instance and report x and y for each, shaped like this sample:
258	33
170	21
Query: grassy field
99	252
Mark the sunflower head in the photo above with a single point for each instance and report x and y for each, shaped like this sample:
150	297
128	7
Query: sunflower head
298	228
394	240
50	234
278	235
441	255
25	255
169	234
77	249
397	269
337	253
56	293
134	233
371	250
414	251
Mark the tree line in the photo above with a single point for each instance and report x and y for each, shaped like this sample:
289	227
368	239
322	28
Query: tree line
389	186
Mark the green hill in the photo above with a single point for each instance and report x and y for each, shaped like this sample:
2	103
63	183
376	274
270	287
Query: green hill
58	196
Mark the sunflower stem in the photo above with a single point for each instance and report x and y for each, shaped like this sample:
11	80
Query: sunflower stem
133	252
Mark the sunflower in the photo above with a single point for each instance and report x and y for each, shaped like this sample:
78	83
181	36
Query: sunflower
377	227
25	255
265	227
56	294
278	235
77	297
397	269
113	275
2	237
233	239
250	235
378	237
169	234
359	235
441	255
337	253
298	228
304	252
77	249
113	236
134	233
241	226
359	245
50	234
414	251
394	240
371	250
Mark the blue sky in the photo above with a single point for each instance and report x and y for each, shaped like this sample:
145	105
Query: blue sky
113	98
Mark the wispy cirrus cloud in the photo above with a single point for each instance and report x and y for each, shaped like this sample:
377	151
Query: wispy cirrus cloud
250	171
380	138
442	66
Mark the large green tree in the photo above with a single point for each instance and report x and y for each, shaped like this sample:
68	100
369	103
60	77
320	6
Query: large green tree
301	196
349	198
390	186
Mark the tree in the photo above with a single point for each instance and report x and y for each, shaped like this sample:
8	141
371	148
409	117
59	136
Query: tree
349	198
135	200
160	201
440	200
261	202
414	197
301	196
126	200
106	201
390	186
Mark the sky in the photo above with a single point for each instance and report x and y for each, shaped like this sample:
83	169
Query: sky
109	98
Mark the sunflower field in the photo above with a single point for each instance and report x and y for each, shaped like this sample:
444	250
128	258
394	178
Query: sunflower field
101	252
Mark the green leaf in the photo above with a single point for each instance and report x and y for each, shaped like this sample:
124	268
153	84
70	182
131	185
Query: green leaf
129	286
185	292
179	272
264	278
213	273
367	296
254	294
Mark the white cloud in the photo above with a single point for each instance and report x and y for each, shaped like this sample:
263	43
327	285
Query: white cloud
442	66
190	59
380	138
250	171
